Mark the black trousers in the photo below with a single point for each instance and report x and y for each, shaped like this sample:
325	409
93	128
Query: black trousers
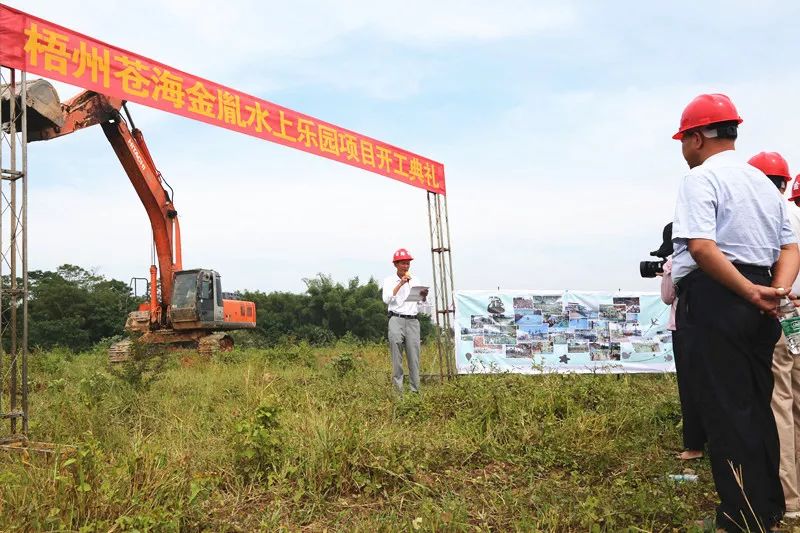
694	435
728	346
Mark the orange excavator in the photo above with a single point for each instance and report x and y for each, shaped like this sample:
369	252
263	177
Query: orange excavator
191	311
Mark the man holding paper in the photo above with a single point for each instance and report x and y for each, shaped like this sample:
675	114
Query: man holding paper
403	297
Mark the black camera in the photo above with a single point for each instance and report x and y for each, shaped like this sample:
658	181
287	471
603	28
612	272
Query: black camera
650	269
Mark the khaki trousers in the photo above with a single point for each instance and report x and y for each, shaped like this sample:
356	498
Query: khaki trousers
786	408
404	336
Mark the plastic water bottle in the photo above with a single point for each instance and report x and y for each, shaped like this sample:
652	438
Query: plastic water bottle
790	322
683	478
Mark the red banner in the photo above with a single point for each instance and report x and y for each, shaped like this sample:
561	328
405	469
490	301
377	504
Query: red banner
34	45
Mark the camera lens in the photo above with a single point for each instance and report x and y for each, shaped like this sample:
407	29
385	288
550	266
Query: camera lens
650	269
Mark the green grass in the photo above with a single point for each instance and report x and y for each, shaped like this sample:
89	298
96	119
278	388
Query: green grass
301	438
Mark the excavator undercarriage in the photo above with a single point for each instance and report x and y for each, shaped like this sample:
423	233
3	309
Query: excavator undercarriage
203	342
137	326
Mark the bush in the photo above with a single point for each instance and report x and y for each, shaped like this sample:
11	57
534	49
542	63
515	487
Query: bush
343	364
145	365
257	449
273	441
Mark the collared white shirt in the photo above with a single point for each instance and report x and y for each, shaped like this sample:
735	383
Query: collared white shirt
794	218
397	303
733	204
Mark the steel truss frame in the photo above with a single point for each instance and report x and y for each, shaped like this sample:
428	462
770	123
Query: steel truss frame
14	257
442	264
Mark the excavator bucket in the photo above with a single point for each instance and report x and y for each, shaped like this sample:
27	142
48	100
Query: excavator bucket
44	107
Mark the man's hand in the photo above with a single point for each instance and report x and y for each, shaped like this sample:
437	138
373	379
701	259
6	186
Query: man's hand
403	280
711	260
784	271
792	297
767	299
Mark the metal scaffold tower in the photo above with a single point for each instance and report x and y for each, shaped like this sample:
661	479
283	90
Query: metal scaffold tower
442	283
13	255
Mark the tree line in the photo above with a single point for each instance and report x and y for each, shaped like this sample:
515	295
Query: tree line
76	308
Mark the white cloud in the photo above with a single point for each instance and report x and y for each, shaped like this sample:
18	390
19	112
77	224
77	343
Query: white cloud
249	28
572	189
565	190
266	47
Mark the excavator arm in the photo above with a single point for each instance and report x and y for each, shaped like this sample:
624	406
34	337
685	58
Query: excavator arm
195	313
90	108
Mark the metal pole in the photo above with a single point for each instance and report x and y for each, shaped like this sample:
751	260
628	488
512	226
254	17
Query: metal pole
445	321
450	297
437	250
24	256
13	254
442	284
438	225
14	291
3	84
439	349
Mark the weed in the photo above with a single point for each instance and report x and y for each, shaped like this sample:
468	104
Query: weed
145	365
257	450
297	436
343	364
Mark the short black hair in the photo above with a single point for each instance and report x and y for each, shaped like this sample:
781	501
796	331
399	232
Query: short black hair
777	180
725	130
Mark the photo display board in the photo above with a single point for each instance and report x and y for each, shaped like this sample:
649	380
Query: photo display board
532	332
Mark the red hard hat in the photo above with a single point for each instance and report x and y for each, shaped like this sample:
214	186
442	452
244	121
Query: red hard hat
707	109
795	189
401	255
771	164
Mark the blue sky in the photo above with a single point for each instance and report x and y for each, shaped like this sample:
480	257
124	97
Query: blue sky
553	121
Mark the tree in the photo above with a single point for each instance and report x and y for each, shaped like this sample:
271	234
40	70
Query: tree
327	311
75	308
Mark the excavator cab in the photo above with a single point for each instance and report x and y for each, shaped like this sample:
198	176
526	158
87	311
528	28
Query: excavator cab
196	299
198	302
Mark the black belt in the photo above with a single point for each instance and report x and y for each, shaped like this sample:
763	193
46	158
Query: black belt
752	269
392	313
741	267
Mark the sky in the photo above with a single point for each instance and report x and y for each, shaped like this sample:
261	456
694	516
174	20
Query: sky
553	121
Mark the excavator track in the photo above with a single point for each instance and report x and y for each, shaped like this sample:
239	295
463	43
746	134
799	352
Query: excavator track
120	351
204	344
216	342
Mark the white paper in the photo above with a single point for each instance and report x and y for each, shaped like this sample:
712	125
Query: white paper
414	295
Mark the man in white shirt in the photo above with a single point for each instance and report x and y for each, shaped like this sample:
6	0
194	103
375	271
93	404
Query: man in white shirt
794	218
785	366
735	258
403	321
789	401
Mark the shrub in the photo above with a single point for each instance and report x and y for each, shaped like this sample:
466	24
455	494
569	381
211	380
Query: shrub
257	449
343	364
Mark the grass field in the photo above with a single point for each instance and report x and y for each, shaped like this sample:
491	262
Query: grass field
301	438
